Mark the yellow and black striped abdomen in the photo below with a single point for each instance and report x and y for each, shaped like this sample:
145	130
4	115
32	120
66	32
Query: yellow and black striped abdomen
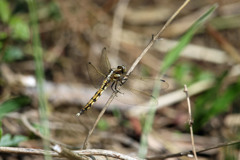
103	87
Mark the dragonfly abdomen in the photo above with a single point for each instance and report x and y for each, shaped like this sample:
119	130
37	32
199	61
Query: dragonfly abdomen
103	87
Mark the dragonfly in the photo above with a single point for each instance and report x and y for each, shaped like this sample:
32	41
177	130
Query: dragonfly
105	75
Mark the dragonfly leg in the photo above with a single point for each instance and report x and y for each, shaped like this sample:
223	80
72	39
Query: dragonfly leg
114	87
123	80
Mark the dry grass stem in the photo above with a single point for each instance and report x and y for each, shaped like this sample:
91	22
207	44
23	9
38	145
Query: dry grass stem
190	121
64	152
180	154
97	153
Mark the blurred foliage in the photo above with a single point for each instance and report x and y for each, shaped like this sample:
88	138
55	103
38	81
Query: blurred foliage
4	11
12	53
187	73
215	101
20	29
16	30
13	105
12	141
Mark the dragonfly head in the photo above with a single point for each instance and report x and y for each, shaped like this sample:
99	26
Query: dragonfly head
122	69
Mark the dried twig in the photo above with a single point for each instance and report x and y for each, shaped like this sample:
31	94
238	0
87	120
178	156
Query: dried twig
64	152
153	40
191	152
190	121
89	152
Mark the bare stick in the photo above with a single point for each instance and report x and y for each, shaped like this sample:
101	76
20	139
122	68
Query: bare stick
154	38
191	152
190	121
64	152
89	152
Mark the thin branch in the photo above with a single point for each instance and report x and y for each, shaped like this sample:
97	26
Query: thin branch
89	152
29	151
154	39
100	152
64	152
191	152
190	121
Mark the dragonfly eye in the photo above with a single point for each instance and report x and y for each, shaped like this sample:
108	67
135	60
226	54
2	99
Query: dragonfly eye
122	68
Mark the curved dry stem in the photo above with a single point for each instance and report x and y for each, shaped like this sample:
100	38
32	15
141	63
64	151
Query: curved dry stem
186	153
90	152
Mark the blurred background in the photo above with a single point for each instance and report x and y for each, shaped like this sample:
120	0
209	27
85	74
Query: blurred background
74	32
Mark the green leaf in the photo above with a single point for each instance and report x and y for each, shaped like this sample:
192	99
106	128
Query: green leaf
12	53
1	131
4	11
173	54
20	29
11	141
13	105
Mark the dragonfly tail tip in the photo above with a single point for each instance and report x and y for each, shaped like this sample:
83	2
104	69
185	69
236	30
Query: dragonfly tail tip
78	114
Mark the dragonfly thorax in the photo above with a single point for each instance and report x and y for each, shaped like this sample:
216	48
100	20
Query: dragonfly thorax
118	73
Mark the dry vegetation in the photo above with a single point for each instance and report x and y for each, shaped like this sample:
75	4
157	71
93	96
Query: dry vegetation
73	32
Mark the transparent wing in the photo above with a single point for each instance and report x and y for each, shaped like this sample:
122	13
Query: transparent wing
146	84
139	90
105	65
96	77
